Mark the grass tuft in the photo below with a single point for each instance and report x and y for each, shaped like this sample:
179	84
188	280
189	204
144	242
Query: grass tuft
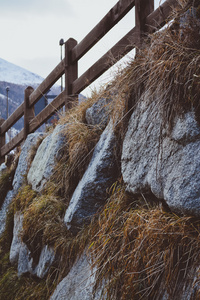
141	252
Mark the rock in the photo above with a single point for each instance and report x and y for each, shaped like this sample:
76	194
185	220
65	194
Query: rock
188	17
25	261
45	158
78	284
18	177
4	210
47	257
3	168
23	162
99	113
20	254
16	241
90	193
166	164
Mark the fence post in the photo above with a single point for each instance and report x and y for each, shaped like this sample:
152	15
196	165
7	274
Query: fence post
2	141
71	73
28	111
142	9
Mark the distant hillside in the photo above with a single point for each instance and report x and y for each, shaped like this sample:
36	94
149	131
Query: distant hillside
11	73
17	79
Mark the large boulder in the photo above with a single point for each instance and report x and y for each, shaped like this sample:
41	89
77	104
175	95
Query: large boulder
20	172
78	284
22	166
91	191
167	163
44	161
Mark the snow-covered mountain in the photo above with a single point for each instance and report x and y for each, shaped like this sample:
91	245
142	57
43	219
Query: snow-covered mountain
17	79
14	74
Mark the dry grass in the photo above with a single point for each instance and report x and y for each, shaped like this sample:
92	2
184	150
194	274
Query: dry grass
43	225
141	252
23	198
44	212
81	140
5	185
167	68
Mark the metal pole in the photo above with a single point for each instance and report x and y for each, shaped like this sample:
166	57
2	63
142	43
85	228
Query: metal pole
61	43
7	90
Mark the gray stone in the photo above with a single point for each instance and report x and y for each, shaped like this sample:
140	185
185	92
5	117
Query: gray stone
44	162
4	210
16	241
20	254
78	284
3	168
189	16
47	257
25	261
99	113
18	177
22	166
166	164
90	193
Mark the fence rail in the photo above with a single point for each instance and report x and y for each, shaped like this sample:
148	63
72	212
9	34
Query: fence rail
147	20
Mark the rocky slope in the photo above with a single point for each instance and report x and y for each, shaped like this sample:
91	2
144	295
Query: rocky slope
108	207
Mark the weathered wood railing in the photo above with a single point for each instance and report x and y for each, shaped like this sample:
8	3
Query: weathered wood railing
147	20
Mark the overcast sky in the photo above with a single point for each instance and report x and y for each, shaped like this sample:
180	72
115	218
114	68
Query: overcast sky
30	30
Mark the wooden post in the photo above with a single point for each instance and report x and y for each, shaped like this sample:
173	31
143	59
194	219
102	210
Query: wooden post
142	9
2	141
71	73
29	113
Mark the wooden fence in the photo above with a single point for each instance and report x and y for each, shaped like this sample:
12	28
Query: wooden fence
146	19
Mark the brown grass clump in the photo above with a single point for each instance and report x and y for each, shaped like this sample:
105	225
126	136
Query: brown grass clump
43	225
12	286
40	217
33	150
142	252
81	140
5	185
24	198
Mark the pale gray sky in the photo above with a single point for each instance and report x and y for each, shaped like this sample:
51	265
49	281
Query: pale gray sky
30	30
